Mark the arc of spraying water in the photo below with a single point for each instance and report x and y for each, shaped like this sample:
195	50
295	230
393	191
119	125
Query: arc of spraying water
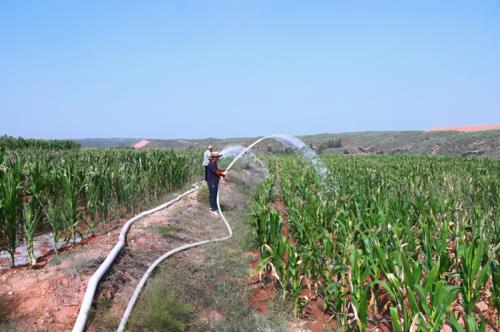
256	164
292	141
280	137
82	317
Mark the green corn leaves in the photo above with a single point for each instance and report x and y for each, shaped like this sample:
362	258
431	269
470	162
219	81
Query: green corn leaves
405	237
475	272
72	190
11	207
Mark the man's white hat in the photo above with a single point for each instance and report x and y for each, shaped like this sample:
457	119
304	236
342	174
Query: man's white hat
209	147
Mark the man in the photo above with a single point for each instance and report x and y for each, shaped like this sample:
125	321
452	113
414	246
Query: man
213	175
206	157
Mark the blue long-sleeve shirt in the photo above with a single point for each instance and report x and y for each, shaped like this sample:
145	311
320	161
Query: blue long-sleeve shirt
212	177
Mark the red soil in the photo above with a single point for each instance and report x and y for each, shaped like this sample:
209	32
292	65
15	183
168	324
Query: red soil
141	144
467	129
48	297
260	299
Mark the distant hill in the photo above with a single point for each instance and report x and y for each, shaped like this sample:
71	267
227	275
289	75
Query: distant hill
106	142
450	143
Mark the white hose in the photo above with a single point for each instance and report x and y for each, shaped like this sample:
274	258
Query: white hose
96	277
145	277
142	282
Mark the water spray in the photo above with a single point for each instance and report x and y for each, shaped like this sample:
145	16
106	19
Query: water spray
255	164
239	151
295	143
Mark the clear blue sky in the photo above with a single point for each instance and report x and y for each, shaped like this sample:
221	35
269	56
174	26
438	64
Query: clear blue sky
172	69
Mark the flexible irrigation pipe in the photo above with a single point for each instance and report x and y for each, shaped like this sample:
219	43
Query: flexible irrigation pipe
96	277
144	278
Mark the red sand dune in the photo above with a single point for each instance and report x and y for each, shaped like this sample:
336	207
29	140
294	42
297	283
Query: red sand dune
467	129
141	144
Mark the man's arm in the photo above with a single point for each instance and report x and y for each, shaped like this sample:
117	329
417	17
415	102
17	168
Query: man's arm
212	168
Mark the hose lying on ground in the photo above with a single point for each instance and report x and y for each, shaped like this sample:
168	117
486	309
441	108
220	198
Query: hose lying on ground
96	277
94	280
142	282
145	277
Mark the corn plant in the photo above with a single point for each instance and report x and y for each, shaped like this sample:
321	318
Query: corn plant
474	273
360	270
11	204
470	324
67	187
33	184
31	219
92	199
70	197
294	276
395	226
397	283
495	273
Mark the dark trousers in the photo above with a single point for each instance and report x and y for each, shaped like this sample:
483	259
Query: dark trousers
212	189
206	173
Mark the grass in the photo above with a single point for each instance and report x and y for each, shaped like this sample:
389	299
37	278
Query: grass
160	310
166	230
103	302
202	196
4	324
225	273
86	265
3	308
7	327
100	314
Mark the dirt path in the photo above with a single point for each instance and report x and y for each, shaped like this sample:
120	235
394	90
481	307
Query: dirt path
48	299
186	222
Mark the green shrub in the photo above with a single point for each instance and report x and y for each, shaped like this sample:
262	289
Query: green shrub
202	196
103	302
160	309
166	230
334	143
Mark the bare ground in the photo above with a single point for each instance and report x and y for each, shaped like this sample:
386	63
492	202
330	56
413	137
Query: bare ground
185	222
48	298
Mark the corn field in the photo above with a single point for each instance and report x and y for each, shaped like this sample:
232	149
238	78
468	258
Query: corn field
12	143
412	241
69	192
